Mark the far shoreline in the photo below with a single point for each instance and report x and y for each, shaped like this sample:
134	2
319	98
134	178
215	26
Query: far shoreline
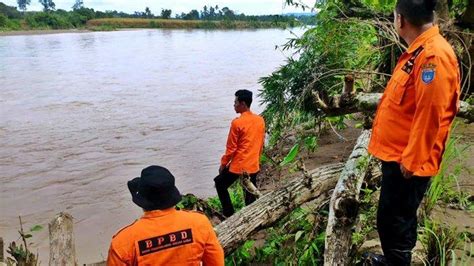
41	32
59	31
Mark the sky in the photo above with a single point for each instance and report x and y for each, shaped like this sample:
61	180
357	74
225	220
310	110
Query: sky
248	7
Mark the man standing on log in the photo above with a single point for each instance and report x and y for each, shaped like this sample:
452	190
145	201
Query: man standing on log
412	125
243	150
164	235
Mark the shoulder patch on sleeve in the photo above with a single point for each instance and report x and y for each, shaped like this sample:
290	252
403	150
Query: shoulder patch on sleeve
428	75
123	228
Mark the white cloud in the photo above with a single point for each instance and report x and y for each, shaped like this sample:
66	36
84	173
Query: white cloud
250	7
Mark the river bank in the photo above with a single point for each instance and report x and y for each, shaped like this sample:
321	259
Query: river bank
40	32
114	24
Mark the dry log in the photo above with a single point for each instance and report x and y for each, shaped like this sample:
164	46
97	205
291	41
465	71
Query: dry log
369	101
61	241
274	205
344	205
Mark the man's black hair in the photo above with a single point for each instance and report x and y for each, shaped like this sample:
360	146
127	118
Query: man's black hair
244	96
417	12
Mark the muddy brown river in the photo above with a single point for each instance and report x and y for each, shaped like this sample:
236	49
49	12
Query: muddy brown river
83	113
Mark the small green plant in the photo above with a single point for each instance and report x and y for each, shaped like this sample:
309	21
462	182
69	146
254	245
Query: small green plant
291	156
440	242
311	143
294	240
236	193
367	217
242	255
20	253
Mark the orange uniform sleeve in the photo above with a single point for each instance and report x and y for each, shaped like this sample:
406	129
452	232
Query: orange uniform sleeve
231	147
114	259
213	252
432	96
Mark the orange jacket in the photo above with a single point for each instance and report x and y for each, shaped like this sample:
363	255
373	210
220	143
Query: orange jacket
167	237
245	144
418	106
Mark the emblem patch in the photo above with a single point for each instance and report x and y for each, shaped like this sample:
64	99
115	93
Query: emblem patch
427	75
171	240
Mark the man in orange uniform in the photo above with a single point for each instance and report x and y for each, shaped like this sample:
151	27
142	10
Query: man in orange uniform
243	150
164	235
412	125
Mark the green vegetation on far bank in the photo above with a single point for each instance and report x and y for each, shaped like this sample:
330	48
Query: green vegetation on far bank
80	17
184	24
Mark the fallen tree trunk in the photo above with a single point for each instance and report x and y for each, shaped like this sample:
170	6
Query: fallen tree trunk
274	205
344	205
362	102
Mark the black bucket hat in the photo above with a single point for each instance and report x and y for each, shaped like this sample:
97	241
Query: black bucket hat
154	189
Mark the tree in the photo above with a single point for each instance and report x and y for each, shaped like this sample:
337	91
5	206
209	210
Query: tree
47	5
212	12
78	5
166	13
9	11
22	4
148	13
193	15
228	13
204	13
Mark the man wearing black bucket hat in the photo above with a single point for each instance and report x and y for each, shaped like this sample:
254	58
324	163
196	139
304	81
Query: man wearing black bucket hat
164	235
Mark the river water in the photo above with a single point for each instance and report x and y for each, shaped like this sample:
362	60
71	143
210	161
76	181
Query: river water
83	113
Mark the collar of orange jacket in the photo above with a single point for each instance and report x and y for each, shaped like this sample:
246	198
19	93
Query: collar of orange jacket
247	113
428	34
158	213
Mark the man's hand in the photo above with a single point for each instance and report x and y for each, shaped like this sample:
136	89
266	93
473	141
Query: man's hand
405	172
221	169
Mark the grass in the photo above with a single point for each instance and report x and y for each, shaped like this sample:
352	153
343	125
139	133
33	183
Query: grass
181	24
440	243
445	186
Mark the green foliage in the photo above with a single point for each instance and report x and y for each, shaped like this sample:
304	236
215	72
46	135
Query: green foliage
22	4
324	55
78	4
102	28
385	6
20	253
3	21
236	193
444	186
88	13
294	240
9	11
440	242
48	20
165	13
367	217
311	143
291	156
187	202
12	24
242	256
47	5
